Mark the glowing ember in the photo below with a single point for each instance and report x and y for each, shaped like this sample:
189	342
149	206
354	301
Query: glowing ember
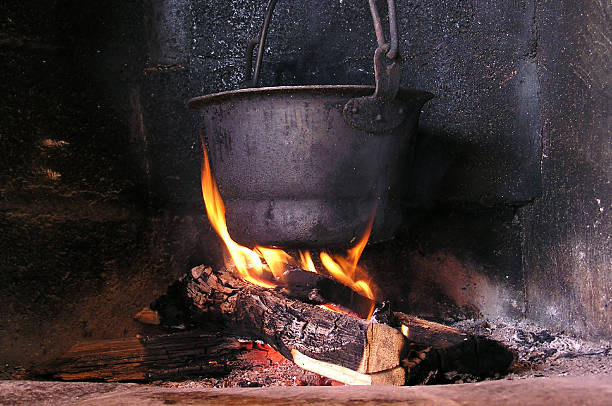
405	330
338	309
261	265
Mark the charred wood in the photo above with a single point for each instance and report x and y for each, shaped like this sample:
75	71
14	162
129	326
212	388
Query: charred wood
392	348
452	350
288	324
313	288
148	358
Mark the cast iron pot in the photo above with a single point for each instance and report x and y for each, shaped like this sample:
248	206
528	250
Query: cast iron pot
309	165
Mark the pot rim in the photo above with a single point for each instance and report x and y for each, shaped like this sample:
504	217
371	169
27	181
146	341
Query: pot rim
357	90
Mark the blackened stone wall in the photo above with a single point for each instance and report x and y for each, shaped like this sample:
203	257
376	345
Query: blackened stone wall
82	244
567	251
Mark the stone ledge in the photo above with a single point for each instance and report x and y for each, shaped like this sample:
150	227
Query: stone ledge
590	390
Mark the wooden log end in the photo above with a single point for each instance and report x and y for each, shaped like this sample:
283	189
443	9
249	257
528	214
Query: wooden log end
383	349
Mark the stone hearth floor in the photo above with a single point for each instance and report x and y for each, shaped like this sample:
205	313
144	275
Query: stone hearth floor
592	390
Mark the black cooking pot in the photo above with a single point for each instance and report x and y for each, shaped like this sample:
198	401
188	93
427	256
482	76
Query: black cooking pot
307	165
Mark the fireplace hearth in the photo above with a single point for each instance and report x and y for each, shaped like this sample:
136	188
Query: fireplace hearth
502	232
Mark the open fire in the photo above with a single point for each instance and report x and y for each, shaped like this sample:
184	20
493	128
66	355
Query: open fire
265	266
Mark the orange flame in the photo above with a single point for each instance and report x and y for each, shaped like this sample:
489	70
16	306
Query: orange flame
275	258
306	262
249	264
354	253
346	270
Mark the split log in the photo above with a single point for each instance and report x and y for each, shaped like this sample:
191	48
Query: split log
168	356
394	376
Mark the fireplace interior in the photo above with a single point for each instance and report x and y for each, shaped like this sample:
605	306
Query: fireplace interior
504	233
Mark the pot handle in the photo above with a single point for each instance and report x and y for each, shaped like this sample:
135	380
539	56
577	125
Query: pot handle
251	81
387	78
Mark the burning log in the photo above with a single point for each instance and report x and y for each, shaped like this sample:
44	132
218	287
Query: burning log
340	346
310	287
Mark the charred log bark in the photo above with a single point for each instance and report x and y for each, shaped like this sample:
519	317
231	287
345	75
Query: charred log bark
314	288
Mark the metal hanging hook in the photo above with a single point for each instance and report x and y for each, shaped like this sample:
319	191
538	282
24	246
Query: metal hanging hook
378	28
394	49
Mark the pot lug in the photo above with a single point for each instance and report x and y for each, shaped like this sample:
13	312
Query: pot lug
380	112
374	115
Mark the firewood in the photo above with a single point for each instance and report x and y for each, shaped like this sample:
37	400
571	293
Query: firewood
395	376
391	348
256	313
294	327
454	350
310	287
167	356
